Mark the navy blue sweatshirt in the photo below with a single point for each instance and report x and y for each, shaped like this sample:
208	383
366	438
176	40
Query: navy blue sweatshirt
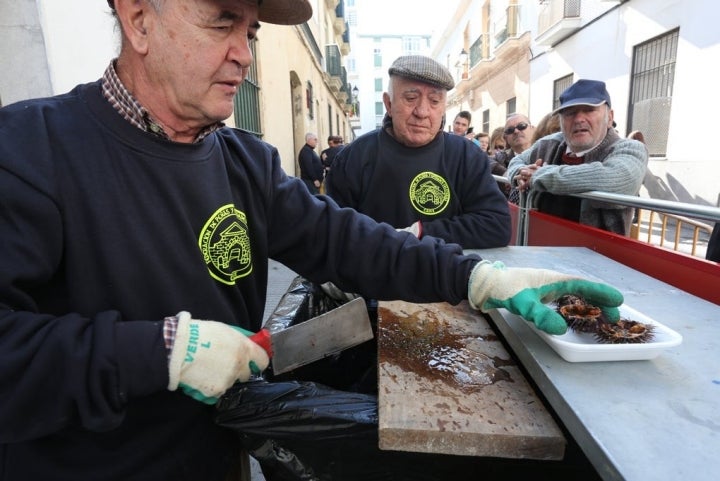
104	231
446	184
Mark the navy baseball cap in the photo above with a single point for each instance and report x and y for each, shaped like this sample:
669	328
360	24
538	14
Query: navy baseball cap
584	92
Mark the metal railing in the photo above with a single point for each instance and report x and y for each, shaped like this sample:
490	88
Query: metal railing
679	222
679	213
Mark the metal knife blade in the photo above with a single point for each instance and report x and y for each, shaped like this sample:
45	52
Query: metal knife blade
329	333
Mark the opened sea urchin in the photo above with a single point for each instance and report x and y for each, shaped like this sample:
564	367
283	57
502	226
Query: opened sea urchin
578	314
625	331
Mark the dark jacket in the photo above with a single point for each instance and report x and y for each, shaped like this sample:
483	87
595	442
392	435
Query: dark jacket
311	168
447	185
328	155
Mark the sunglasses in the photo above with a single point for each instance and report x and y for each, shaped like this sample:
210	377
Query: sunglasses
511	130
499	147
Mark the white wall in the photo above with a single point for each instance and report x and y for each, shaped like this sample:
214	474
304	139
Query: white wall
80	40
23	67
49	46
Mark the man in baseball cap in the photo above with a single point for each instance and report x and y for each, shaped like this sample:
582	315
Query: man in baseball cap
412	175
584	92
586	155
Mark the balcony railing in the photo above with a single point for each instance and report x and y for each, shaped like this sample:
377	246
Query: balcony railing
476	51
333	60
553	11
333	67
557	19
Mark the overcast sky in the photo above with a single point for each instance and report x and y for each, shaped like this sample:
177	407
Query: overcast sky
403	16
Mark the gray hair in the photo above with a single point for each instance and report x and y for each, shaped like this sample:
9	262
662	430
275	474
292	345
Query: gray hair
157	5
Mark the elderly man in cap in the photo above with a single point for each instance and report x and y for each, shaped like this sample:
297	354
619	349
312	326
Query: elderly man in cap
129	212
414	176
586	155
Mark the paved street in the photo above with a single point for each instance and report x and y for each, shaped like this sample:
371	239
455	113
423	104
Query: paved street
279	279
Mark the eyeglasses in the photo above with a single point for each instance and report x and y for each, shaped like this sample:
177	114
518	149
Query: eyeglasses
499	147
511	130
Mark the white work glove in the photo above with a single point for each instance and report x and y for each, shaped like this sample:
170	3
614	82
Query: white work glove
415	229
208	357
523	291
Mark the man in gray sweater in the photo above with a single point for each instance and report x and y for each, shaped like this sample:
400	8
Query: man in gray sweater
586	155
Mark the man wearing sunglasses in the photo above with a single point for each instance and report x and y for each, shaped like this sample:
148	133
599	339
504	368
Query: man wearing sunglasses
586	155
517	134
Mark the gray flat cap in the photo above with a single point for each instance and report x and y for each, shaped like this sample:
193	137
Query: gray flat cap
423	69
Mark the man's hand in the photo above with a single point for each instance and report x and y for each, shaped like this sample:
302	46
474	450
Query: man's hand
524	291
415	229
523	179
208	357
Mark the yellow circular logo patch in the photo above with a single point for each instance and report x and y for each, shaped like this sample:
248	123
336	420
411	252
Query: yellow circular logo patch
429	193
225	245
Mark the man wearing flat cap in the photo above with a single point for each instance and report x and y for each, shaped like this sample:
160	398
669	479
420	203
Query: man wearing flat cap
414	176
586	155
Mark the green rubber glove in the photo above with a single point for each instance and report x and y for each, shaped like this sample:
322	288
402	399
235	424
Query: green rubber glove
524	291
208	357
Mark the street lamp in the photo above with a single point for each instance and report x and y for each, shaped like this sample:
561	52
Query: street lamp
355	93
463	58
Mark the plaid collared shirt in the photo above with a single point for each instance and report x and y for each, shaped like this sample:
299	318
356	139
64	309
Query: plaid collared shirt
132	111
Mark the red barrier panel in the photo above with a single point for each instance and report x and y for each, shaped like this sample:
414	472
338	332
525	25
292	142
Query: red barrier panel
691	274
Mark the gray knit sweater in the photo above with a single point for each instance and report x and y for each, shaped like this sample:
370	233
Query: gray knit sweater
616	165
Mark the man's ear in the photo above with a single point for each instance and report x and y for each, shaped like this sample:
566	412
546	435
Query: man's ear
134	17
386	101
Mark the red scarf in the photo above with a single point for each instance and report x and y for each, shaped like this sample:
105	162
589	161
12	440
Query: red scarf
571	159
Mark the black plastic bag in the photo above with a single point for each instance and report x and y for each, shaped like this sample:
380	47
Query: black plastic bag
300	430
303	431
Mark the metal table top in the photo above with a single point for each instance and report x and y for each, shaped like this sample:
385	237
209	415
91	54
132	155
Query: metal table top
655	419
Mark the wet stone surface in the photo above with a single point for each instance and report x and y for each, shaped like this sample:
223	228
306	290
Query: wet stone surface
424	344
